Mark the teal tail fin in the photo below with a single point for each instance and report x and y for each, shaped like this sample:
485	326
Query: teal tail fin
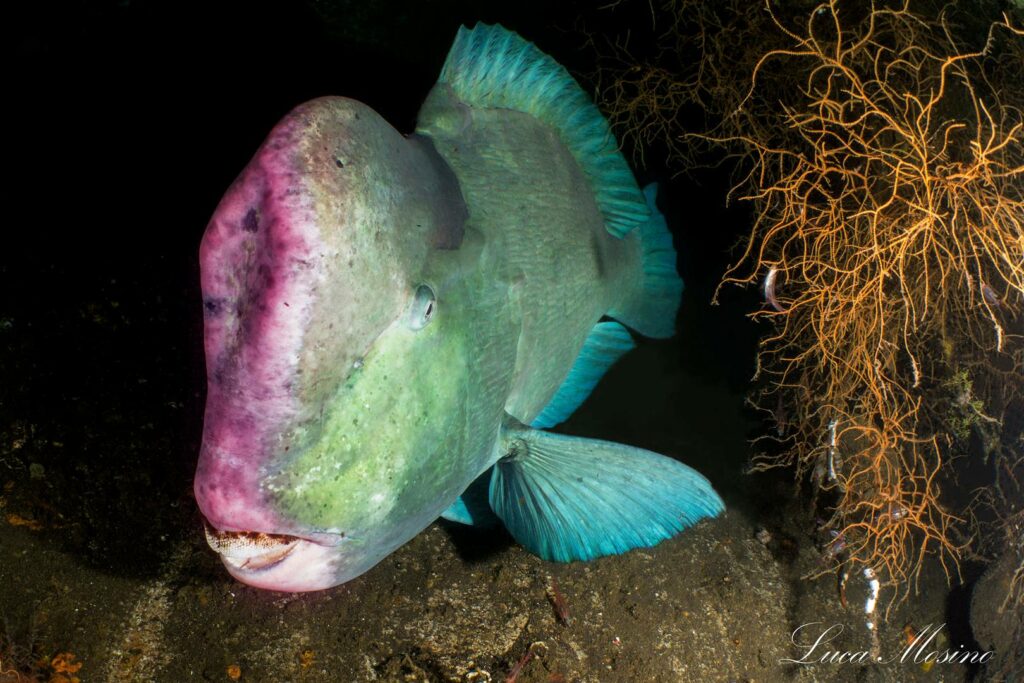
567	498
651	310
492	67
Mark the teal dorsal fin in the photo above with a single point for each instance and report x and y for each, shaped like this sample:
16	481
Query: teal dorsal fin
605	344
567	498
492	67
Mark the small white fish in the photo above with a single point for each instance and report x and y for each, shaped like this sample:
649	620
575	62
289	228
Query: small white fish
769	289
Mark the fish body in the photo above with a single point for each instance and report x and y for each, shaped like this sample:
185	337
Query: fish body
391	321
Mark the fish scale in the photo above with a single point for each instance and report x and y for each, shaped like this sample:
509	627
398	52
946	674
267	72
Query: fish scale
549	242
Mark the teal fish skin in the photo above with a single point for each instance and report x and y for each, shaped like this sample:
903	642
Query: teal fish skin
384	314
536	211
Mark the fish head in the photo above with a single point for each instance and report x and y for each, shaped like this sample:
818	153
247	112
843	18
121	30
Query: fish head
336	381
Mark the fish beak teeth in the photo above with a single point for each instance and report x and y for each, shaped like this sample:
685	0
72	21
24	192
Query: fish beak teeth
257	562
248	549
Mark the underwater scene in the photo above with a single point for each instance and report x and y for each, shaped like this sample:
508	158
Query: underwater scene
525	342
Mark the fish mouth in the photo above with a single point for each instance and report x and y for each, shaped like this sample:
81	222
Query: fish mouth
277	561
250	550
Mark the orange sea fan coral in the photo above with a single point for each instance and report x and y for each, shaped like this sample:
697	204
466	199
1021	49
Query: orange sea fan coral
884	155
894	214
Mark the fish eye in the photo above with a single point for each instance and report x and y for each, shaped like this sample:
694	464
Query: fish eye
424	306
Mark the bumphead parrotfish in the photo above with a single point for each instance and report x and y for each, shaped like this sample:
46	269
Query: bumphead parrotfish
392	321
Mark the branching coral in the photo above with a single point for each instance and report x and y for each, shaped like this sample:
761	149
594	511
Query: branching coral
894	218
886	168
650	83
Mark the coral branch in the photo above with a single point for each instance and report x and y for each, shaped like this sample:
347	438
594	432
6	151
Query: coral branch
885	163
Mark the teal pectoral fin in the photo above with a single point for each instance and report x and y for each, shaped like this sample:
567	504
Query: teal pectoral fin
472	506
607	342
651	310
567	498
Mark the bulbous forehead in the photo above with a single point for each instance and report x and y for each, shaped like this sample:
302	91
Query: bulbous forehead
314	250
304	260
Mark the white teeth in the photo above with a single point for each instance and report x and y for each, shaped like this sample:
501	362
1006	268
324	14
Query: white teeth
254	562
250	549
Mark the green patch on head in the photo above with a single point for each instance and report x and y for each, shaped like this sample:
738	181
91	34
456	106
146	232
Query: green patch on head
388	438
